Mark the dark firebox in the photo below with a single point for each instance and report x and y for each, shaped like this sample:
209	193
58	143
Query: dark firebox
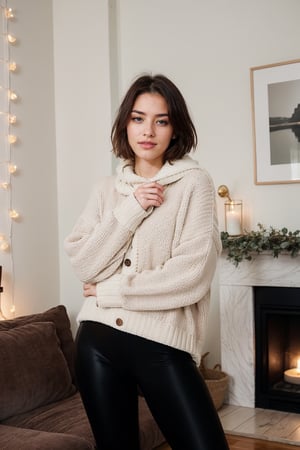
277	347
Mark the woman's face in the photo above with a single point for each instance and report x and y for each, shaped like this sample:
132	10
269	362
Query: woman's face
149	130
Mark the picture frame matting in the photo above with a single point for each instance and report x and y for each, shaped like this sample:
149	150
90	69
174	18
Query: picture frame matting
275	95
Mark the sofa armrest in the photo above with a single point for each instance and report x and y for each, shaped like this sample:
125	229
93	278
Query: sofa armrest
12	438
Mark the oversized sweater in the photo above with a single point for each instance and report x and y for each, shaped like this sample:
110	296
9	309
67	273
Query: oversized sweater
153	269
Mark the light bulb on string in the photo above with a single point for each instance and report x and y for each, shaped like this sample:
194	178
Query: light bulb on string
9	13
11	39
12	139
4	185
12	119
12	66
12	95
12	168
4	246
3	243
13	214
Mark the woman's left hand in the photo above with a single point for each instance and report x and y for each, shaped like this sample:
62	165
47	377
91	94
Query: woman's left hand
89	290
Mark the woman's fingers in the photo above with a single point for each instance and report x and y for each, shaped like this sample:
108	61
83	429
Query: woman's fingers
89	290
150	194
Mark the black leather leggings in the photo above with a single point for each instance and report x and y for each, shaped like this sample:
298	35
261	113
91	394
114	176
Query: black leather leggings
109	366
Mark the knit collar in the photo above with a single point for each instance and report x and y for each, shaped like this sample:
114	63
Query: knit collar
127	181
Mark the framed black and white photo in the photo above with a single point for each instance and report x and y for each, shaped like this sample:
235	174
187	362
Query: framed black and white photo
275	91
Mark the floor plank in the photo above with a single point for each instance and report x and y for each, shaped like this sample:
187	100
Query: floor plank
244	443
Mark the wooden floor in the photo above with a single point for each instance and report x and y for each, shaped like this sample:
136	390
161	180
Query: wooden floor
243	443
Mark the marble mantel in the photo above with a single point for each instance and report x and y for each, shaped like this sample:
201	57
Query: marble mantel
237	316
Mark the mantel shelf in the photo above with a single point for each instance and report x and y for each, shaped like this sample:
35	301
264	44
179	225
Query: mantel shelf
262	270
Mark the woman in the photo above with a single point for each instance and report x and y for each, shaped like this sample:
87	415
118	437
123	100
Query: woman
146	248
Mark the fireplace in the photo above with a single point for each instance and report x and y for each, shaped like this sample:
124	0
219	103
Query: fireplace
277	348
239	289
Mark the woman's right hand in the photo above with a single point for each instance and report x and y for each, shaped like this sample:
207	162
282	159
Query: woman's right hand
149	194
89	290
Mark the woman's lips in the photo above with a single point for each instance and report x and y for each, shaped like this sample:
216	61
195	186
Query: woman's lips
147	144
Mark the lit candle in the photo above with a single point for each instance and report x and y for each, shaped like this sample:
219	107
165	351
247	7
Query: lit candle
293	375
233	222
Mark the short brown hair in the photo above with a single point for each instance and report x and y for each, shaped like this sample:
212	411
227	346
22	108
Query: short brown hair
184	130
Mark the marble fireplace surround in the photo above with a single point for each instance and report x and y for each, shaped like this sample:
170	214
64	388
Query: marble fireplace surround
237	316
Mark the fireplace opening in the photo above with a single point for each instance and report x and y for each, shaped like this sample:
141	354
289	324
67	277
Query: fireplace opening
277	348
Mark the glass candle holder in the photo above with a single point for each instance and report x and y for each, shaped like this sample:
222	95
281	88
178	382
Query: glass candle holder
234	217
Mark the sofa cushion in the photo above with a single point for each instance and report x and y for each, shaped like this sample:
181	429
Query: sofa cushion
33	370
57	315
68	416
19	438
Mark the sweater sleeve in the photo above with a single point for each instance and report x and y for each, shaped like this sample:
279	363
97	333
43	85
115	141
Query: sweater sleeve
186	277
98	242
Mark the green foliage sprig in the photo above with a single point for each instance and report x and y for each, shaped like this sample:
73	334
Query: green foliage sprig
263	240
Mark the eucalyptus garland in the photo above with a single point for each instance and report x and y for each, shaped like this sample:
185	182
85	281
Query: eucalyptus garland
269	240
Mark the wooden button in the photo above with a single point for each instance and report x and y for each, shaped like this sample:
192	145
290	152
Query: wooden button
127	262
119	322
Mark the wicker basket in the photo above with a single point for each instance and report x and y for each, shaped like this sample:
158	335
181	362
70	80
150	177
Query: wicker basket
216	380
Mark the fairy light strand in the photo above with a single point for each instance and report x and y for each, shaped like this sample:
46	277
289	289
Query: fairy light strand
8	137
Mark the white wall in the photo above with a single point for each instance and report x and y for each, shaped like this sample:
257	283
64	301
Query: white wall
83	118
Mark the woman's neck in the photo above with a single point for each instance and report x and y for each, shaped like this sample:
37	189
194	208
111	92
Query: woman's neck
146	170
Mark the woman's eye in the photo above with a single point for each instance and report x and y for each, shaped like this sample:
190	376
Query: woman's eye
162	122
136	119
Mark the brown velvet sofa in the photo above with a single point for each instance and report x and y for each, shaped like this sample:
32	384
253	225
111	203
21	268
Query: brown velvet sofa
40	407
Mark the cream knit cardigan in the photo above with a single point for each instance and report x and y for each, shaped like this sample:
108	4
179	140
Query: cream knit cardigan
153	268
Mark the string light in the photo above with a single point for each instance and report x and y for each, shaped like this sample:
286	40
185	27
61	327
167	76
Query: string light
3	243
9	13
8	67
12	95
12	168
12	139
12	66
12	119
11	39
4	246
13	214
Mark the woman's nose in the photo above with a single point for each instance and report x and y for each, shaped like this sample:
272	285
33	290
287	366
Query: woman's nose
149	130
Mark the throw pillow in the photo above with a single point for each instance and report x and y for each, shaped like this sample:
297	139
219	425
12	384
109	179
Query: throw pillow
33	370
57	315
